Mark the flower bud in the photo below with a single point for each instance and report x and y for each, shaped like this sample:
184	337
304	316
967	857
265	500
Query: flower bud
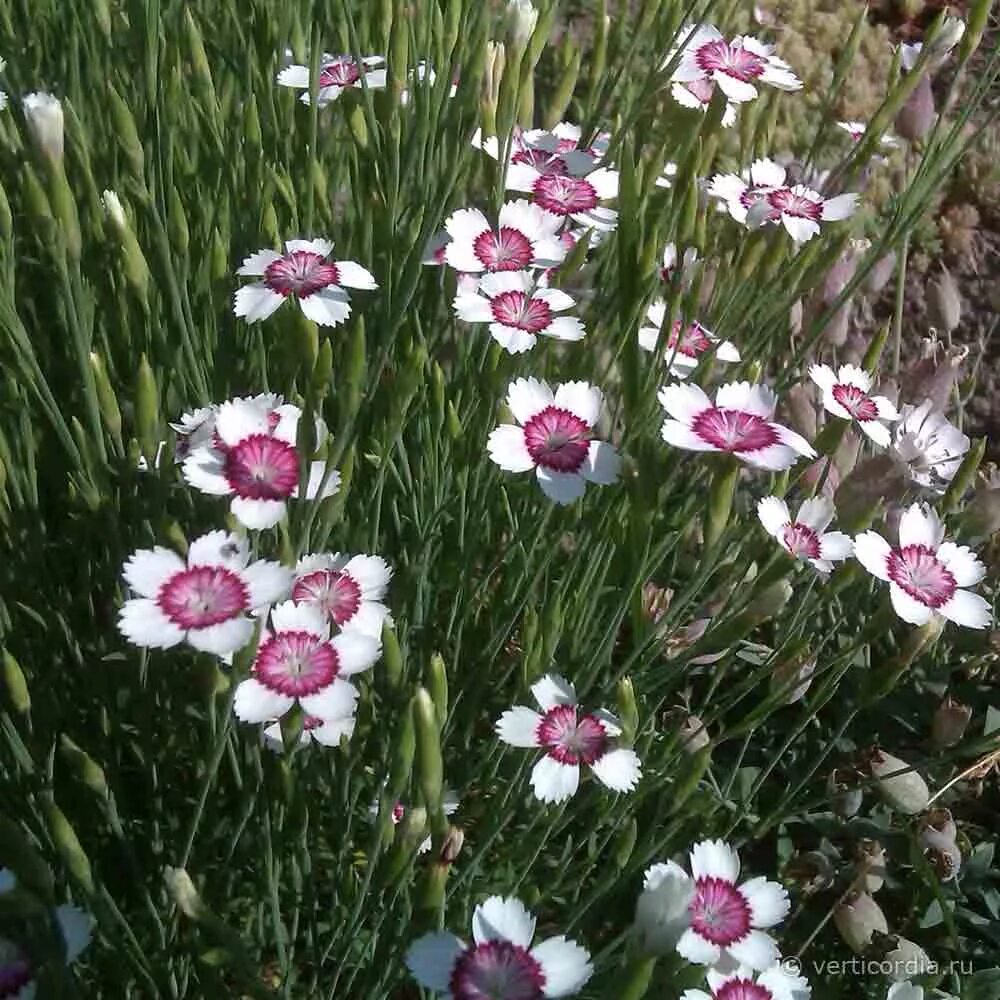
84	766
429	767
845	794
43	114
947	37
944	302
16	685
951	718
859	918
134	264
811	871
68	845
916	117
871	865
904	959
881	272
495	60
941	852
901	787
656	600
662	912
147	410
437	685
184	894
693	734
628	712
127	134
625	844
451	848
941	821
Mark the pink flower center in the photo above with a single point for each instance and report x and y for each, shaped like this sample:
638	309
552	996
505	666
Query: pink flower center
801	541
520	310
335	592
743	989
784	201
734	430
341	72
752	195
557	439
202	596
296	663
570	740
692	342
733	60
918	571
15	969
310	722
719	913
497	970
565	195
855	401
398	812
261	467
507	250
300	273
544	162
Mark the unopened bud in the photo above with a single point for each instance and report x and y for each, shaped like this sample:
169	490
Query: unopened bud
429	767
881	272
903	959
871	864
16	685
84	766
901	787
437	685
951	719
944	302
43	115
845	793
942	852
628	712
811	871
451	848
184	894
859	918
521	20
68	845
916	117
656	600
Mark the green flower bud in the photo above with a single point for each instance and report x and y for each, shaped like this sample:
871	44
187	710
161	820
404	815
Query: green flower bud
628	712
20	855
85	768
68	845
429	767
15	684
147	410
437	685
901	787
106	399
127	134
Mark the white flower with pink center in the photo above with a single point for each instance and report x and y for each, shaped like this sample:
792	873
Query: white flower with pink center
449	806
554	435
670	263
729	918
736	67
325	732
500	963
800	210
205	600
336	74
741	193
347	589
856	130
847	394
742	983
683	346
299	663
576	192
18	969
697	95
926	575
253	459
570	739
929	444
740	422
518	310
304	273
805	536
559	150
526	236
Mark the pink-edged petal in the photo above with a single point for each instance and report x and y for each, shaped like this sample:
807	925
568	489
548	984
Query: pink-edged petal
143	623
257	514
560	487
581	399
552	690
873	551
148	569
318	246
432	958
907	608
224	638
503	919
518	726
565	966
620	770
507	449
603	464
553	781
256	703
968	609
526	397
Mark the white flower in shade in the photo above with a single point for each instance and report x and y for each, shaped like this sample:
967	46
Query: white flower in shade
930	445
347	589
856	130
205	600
741	193
905	991
43	114
304	273
667	178
299	663
527	236
336	74
697	95
670	262
500	963
847	394
663	910
683	348
926	575
195	429
559	150
518	311
449	806
739	422
424	73
253	459
951	33
729	920
742	983
325	732
806	536
569	739
554	436
18	972
736	67
575	193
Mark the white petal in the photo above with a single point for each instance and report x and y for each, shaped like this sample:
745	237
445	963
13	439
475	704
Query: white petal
459	255
756	950
620	770
327	307
291	617
876	431
332	731
226	637
148	569
512	339
432	958
257	263
920	525
757	399
143	623
320	477
968	609
239	418
352	275
738	91
681	436
257	514
816	513
565	965
473	309
835	545
767	173
560	487
885	407
773	514
794	441
697	949
294	76
496	284
776	458
728	187
76	927
466	224
604	182
317	246
683	402
853	375
603	464
521	177
267	582
552	690
824	376
801	230
336	701
503	919
841	207
907	608
715	859
355	651
507	448
526	397
727	351
256	302
219	548
370	619
873	551
582	399
555	298
768	901
518	726
256	703
554	782
962	564
202	469
565	328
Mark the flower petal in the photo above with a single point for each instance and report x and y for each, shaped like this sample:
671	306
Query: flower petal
909	609
683	401
432	958
962	563
351	274
336	701
873	551
581	399
148	569
603	464
919	525
560	487
620	770
715	859
503	919
266	581
526	397
518	726
553	781
756	950
768	901
773	514
257	514
143	623
552	690
506	447
565	966
327	307
256	302
356	651
224	638
968	609
256	703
